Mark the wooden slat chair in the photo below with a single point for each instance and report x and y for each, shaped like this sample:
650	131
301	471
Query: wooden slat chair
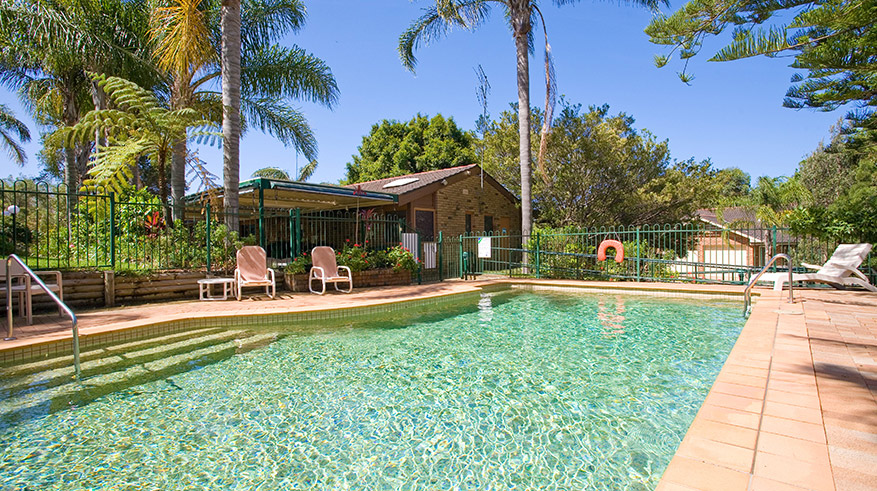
26	288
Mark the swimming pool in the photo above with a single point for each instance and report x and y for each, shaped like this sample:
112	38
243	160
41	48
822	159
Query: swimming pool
506	390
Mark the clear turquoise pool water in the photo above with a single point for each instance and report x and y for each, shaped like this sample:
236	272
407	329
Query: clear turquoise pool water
508	391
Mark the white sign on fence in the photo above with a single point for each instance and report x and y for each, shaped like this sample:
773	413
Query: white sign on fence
484	247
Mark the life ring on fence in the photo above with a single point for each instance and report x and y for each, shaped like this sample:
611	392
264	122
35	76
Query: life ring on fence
618	246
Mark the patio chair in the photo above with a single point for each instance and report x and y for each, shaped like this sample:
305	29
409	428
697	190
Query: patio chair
326	270
253	270
26	288
840	271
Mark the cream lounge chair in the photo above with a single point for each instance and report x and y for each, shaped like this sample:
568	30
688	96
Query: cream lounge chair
253	270
841	270
26	288
326	270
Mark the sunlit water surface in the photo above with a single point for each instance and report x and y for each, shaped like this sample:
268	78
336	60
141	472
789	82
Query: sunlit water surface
509	391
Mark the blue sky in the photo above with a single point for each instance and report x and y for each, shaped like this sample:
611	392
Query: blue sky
731	113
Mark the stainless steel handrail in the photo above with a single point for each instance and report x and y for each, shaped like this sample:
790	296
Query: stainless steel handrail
63	306
747	293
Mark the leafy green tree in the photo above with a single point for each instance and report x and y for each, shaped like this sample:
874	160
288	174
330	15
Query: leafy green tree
437	20
13	131
830	171
834	41
601	171
393	148
138	125
46	47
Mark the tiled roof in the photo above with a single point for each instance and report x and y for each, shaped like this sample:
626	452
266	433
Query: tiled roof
423	179
743	220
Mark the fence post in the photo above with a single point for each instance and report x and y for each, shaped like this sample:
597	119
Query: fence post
773	247
637	255
439	256
462	272
538	258
298	234
113	230
209	238
261	214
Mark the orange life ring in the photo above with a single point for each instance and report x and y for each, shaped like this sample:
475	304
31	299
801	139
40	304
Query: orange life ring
618	246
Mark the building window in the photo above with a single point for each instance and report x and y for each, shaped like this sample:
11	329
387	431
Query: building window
488	223
468	223
424	222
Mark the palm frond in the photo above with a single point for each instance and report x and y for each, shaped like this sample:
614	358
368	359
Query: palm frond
264	22
281	121
307	171
437	21
276	72
182	43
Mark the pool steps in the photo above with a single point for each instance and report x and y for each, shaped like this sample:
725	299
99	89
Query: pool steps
36	389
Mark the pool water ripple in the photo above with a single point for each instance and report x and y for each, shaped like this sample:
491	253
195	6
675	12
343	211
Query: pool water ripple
521	391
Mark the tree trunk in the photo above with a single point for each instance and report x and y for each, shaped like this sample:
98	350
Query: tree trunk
178	177
231	108
521	23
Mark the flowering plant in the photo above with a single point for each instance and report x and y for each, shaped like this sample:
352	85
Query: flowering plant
402	259
355	257
299	265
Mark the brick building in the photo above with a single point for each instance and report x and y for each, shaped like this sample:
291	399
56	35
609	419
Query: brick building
453	201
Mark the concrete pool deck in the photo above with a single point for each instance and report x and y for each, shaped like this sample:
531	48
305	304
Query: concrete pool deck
794	407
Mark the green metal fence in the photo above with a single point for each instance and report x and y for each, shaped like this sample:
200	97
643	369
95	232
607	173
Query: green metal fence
700	253
54	229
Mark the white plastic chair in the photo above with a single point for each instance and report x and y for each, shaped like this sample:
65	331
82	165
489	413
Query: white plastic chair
25	288
841	270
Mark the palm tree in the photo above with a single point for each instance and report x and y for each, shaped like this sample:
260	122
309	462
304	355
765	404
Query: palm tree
11	129
521	14
231	110
267	78
272	173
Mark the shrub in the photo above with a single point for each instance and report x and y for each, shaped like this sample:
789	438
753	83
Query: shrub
300	264
402	259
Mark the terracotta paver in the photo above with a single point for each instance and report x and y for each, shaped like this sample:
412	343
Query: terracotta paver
794	407
816	423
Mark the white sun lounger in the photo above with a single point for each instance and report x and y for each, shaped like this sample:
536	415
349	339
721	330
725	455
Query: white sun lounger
841	270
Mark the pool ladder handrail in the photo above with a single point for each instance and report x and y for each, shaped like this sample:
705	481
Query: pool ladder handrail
63	306
747	293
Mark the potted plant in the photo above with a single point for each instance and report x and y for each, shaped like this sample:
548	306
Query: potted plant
296	273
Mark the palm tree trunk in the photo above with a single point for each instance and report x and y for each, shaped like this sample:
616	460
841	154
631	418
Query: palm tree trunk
178	177
521	24
231	108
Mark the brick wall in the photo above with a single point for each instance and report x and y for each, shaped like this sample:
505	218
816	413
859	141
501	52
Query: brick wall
457	199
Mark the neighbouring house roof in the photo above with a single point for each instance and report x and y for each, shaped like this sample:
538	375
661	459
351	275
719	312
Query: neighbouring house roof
281	194
411	186
743	222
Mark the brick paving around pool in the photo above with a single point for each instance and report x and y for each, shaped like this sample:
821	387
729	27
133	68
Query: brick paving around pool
794	406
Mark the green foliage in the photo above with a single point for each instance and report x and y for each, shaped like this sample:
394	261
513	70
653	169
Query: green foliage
15	236
358	258
600	170
354	257
402	259
300	265
138	125
12	133
834	41
830	171
852	217
394	148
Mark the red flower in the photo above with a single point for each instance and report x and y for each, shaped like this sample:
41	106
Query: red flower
355	245
346	240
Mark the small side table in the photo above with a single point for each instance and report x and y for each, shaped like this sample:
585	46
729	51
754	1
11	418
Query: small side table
205	286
